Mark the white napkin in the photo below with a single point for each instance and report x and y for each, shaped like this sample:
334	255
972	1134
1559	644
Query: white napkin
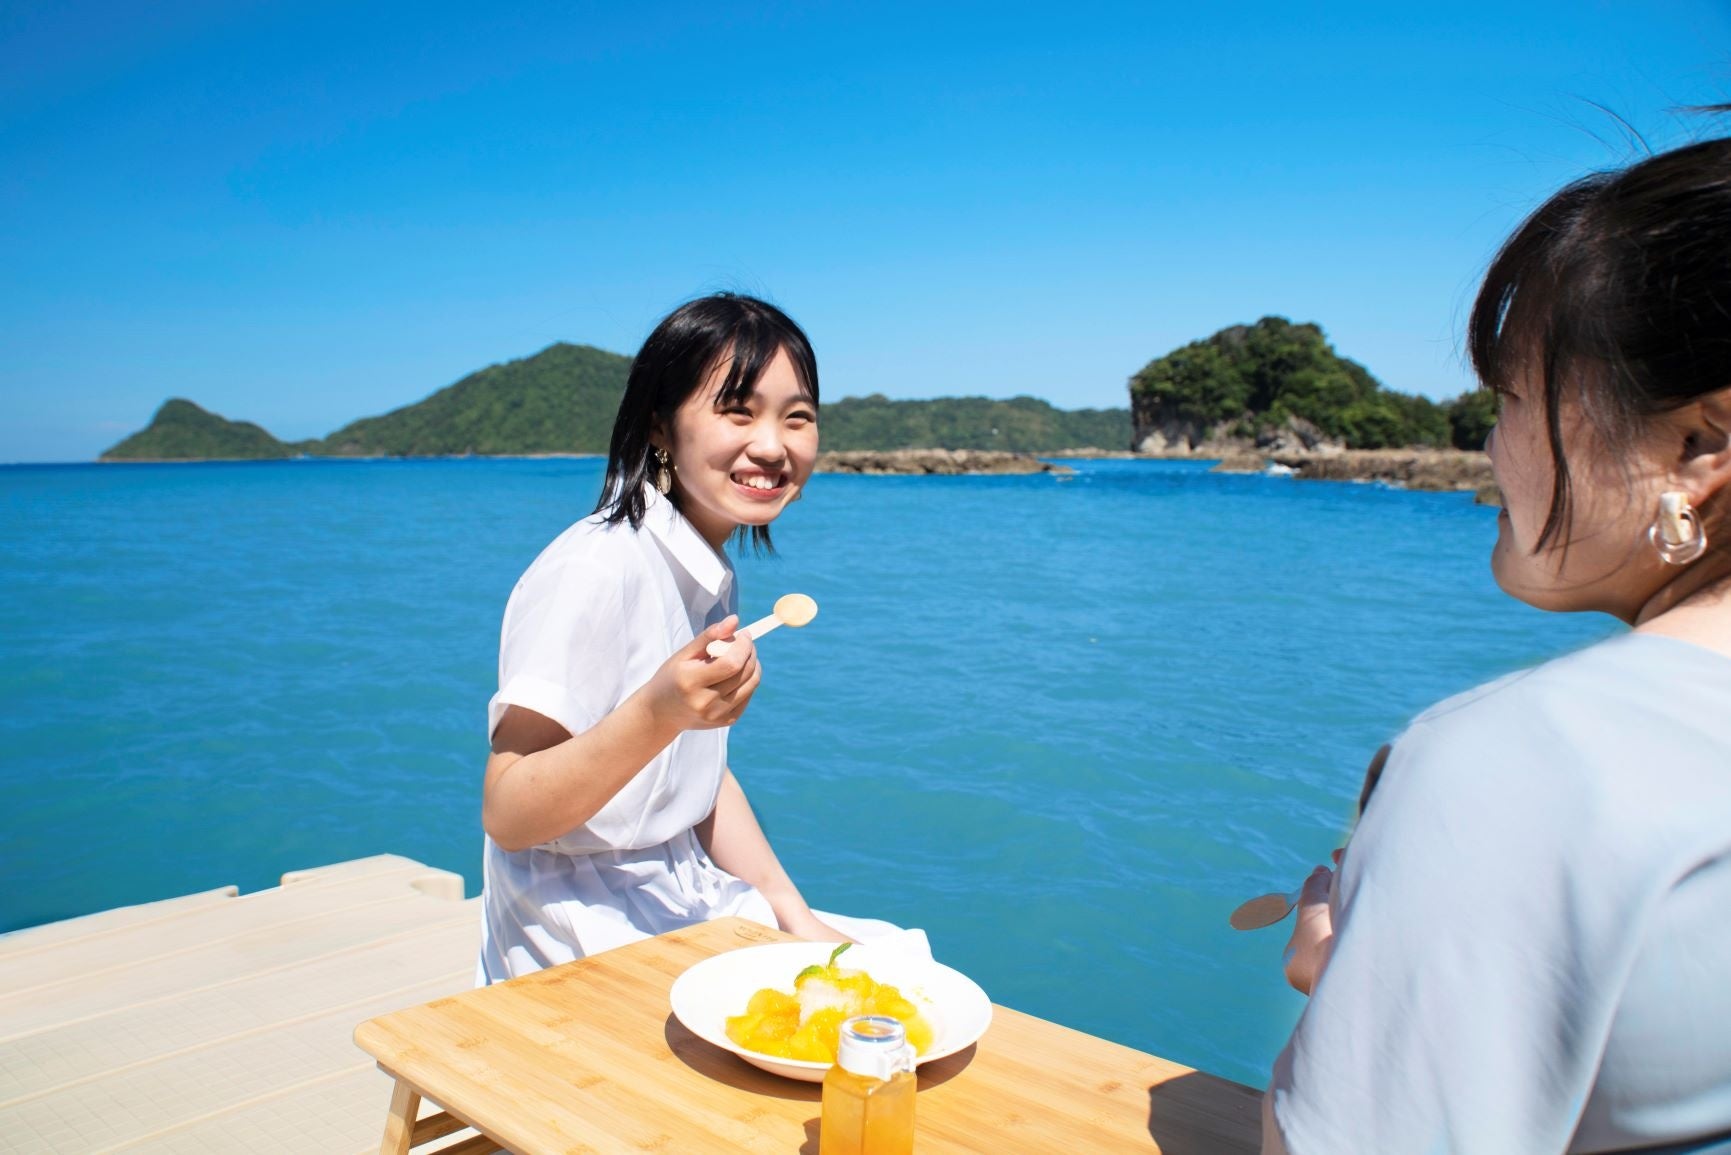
900	956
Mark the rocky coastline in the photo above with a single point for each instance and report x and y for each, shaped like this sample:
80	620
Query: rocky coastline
1434	470
1419	468
1298	447
934	462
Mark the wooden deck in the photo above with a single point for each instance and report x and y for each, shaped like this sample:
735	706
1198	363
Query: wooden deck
222	1022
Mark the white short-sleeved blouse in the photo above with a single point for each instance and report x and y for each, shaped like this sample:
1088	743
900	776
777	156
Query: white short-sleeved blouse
590	622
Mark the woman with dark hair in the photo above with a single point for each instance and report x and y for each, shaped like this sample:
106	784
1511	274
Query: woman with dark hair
1526	948
609	808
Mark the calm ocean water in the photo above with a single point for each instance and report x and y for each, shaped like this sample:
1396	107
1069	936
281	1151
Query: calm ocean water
1064	726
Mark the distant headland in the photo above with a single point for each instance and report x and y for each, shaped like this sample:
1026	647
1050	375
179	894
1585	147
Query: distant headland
1275	389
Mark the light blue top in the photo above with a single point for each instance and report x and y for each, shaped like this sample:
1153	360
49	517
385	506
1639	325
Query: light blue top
1532	924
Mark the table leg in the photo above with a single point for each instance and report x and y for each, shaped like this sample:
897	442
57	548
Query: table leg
400	1123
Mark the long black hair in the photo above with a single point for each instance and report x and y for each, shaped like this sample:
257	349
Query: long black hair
1619	289
677	358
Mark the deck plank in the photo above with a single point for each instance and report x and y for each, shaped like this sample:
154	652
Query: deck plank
268	931
86	927
217	1022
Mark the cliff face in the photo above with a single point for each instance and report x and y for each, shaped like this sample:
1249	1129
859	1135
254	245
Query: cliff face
1173	436
1162	428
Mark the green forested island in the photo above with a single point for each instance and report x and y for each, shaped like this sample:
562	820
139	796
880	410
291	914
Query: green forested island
562	400
182	431
1248	380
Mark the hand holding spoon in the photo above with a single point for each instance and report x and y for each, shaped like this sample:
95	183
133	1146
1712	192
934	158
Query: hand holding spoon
1268	909
790	610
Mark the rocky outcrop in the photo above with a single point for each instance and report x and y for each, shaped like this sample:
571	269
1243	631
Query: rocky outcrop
1180	438
1296	435
1167	435
934	461
1442	470
1241	461
1432	469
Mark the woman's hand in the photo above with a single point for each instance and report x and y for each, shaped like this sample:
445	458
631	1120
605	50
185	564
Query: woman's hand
693	691
1313	937
807	925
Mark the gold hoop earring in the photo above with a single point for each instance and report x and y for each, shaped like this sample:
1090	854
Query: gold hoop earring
662	472
1677	534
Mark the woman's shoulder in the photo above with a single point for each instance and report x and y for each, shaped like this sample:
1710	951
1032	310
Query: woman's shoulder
592	545
1635	725
592	562
1621	678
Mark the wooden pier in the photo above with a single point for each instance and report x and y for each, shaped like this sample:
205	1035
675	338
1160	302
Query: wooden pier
223	1022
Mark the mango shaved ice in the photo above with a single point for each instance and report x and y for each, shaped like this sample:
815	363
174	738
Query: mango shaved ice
806	1024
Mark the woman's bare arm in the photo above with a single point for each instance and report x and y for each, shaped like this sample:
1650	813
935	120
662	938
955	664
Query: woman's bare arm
737	844
543	781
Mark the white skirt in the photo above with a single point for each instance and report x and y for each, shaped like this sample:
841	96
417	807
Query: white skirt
544	907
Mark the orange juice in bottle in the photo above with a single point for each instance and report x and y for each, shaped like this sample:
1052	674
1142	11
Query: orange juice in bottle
868	1096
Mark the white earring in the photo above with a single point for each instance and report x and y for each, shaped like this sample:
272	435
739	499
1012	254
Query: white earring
1677	534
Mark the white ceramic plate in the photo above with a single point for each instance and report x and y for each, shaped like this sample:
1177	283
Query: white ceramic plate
709	992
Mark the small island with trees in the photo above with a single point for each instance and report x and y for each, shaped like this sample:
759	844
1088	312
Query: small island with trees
1277	394
1254	396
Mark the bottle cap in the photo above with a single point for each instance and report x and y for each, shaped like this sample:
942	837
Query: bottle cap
875	1046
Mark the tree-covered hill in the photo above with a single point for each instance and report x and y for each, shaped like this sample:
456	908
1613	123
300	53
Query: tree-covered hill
181	431
561	400
1247	378
1021	424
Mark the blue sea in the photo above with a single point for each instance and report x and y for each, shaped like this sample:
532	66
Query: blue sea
1064	725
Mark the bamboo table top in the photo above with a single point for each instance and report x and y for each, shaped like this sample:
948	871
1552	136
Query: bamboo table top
587	1057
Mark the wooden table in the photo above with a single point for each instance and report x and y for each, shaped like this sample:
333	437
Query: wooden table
587	1057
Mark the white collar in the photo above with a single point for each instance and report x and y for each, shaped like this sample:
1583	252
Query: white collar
709	568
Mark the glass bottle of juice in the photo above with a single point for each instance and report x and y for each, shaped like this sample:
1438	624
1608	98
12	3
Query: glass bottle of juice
868	1096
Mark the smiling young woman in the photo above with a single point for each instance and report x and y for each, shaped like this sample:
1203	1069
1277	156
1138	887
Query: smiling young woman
1526	946
737	463
610	811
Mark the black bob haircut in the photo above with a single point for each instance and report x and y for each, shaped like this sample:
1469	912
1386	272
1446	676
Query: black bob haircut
1616	291
678	357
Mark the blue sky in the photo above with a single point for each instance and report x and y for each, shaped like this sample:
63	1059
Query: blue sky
303	213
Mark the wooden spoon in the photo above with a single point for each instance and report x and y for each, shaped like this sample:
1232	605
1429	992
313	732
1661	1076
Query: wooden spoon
1264	910
1268	909
790	610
